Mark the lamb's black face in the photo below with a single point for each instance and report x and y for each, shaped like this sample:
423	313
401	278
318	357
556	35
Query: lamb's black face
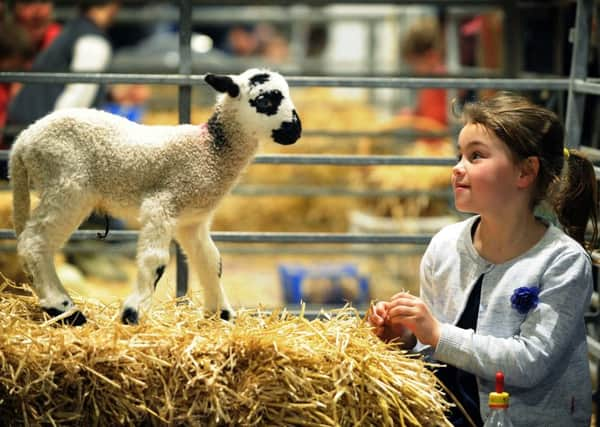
269	105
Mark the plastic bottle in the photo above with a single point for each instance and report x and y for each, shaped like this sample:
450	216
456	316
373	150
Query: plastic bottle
498	403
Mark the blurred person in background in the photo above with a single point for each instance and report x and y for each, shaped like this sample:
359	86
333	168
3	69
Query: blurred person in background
260	41
421	48
36	17
82	46
272	44
241	40
16	52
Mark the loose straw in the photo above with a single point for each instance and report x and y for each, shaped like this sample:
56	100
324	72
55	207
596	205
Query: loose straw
178	368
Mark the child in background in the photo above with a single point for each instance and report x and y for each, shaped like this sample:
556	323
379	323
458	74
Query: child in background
421	49
506	290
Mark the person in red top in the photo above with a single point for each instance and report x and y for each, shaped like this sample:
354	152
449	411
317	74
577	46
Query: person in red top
37	18
421	49
15	52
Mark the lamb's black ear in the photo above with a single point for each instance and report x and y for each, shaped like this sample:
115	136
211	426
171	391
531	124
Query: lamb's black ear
223	84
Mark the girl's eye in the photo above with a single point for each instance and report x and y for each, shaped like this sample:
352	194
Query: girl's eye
475	155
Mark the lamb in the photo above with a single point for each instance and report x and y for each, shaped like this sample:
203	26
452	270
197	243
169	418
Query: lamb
170	177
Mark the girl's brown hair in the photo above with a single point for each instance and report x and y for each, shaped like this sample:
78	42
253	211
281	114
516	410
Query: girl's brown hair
530	130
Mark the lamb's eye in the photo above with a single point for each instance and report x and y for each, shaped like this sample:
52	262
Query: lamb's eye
267	102
263	102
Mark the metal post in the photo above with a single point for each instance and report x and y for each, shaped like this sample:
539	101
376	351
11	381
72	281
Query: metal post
452	33
513	48
576	101
371	55
185	98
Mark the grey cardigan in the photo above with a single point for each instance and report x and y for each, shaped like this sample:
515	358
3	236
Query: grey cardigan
542	353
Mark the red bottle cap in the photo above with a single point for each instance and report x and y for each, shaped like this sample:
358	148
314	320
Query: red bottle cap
499	382
499	398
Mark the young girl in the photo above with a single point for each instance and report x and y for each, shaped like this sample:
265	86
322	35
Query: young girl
507	290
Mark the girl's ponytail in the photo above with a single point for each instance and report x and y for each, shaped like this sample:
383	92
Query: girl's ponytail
576	202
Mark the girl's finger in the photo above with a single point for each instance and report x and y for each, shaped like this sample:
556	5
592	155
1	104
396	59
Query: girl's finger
399	295
401	311
375	319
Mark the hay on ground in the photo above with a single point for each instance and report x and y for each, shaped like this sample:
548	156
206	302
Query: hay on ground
179	368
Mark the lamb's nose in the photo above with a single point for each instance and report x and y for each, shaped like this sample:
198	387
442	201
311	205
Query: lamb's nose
288	132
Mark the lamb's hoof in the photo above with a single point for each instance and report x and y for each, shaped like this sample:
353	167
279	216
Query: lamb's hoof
225	315
130	316
75	319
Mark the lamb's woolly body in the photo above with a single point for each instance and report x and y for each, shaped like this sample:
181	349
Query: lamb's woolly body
167	157
170	178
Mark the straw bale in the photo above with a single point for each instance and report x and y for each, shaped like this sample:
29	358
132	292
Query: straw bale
179	368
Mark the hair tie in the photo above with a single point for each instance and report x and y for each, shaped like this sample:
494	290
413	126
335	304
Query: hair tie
566	153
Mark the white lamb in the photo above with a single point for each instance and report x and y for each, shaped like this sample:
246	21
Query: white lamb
170	177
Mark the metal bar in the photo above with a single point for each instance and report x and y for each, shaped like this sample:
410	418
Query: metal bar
344	160
299	81
259	190
185	103
586	87
250	237
392	133
592	153
234	15
313	2
593	347
575	100
372	250
258	237
408	134
306	191
339	160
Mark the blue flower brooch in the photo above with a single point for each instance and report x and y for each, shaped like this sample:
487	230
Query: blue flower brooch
525	298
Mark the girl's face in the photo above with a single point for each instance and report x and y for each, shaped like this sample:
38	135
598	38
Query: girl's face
485	178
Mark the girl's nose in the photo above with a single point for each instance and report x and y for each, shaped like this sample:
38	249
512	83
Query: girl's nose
458	168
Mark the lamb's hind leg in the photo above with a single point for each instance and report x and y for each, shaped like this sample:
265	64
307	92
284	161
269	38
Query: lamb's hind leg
205	260
152	256
50	225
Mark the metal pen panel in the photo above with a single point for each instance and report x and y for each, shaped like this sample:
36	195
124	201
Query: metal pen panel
185	105
576	98
262	237
524	84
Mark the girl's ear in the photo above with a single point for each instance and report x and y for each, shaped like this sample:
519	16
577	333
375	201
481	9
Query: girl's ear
529	170
223	84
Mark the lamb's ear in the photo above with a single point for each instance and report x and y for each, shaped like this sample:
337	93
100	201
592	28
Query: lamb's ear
223	84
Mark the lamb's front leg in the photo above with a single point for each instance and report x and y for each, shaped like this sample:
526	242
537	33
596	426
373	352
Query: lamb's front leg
152	257
205	260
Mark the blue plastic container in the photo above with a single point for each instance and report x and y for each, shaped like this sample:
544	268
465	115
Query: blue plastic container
134	113
295	280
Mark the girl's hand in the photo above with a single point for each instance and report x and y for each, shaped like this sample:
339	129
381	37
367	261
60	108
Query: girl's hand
378	316
406	310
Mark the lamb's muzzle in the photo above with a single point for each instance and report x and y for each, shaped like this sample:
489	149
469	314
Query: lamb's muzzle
288	132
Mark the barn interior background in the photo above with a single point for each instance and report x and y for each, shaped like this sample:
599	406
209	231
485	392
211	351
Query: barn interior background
345	214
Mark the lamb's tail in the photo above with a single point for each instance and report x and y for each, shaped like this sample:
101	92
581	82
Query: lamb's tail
20	188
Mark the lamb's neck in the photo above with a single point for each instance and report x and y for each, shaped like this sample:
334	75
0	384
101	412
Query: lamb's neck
229	140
